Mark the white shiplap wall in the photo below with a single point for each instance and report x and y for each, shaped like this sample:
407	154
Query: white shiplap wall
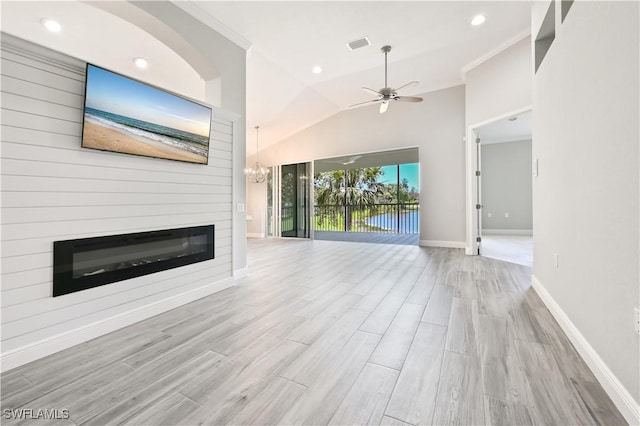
52	189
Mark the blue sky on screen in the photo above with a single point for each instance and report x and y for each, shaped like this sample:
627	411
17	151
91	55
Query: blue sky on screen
408	171
120	95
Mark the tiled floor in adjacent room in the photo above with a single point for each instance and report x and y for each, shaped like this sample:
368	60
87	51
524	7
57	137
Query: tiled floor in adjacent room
509	248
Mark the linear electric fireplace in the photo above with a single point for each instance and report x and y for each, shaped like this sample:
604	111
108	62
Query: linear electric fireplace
92	262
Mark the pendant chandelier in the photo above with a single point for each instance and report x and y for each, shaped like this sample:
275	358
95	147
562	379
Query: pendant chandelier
258	173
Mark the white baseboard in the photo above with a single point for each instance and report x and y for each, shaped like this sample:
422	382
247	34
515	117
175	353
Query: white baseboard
507	231
241	273
620	396
446	244
37	350
254	235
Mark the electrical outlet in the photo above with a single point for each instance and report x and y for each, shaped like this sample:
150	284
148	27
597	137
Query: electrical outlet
489	214
636	319
506	215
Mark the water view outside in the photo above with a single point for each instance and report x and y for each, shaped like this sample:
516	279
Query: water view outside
405	222
370	199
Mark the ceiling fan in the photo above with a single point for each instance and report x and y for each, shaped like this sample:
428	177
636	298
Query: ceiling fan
387	94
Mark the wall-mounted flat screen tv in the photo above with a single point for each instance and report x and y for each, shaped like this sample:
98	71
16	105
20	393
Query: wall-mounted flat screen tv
125	115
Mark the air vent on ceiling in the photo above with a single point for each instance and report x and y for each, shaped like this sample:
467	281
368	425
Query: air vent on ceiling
357	44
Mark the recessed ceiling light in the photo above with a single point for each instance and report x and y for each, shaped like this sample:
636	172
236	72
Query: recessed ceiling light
478	20
141	63
316	70
51	25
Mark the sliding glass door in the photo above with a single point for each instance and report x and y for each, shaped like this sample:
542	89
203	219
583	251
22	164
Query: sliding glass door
294	205
288	201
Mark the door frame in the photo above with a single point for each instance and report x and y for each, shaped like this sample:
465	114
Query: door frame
276	216
471	159
292	233
275	207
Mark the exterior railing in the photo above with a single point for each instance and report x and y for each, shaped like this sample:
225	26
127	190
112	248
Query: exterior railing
287	216
402	218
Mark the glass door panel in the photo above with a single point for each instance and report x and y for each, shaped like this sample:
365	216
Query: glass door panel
294	201
289	194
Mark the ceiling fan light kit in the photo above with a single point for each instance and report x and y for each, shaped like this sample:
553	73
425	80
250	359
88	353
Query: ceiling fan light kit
387	94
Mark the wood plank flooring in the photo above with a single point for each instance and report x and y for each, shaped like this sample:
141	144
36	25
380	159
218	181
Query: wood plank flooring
325	332
369	237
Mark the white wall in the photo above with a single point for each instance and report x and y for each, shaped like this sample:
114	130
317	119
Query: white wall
496	88
256	207
586	197
435	126
52	189
499	85
506	186
229	91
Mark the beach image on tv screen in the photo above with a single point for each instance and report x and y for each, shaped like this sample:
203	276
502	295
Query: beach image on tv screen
124	115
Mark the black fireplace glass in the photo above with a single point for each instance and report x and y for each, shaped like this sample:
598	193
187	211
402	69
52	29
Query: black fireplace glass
90	262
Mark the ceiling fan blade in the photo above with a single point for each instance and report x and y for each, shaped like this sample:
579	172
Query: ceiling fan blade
387	93
411	83
408	99
365	102
371	90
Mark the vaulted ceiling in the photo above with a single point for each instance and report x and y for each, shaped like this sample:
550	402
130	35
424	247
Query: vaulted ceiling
432	41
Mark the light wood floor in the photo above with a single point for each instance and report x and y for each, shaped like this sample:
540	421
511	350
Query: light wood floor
332	333
369	237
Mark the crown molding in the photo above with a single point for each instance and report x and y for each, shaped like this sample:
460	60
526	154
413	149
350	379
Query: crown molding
42	54
490	54
206	18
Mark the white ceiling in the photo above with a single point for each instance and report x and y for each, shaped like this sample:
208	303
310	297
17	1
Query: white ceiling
432	42
507	129
371	159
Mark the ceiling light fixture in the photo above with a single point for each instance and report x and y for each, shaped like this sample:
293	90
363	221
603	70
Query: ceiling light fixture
51	25
141	63
478	20
316	69
258	173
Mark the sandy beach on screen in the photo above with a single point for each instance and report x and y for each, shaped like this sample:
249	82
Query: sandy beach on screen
104	138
